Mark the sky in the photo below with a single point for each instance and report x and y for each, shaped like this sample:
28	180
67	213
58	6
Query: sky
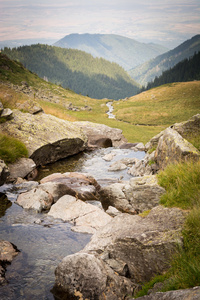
167	22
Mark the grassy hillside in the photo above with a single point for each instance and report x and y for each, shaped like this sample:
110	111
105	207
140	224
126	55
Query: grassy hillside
154	67
126	52
159	107
76	70
164	105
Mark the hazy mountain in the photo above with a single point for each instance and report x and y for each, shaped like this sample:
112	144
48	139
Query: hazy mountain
25	42
76	70
148	71
126	52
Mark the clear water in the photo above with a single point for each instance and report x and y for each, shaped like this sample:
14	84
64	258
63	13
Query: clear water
44	241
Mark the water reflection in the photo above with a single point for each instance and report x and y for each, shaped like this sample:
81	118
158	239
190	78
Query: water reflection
42	242
4	204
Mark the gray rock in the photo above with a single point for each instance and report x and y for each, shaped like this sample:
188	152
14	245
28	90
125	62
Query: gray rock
4	172
80	185
46	137
117	166
113	212
144	166
94	129
87	277
136	195
145	245
185	294
126	251
172	147
84	216
7	253
36	199
30	106
7	113
188	128
109	156
21	168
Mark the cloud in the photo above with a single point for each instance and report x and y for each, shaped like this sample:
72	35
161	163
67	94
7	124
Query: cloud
144	19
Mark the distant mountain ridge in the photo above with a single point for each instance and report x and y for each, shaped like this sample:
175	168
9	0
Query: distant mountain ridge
126	52
25	42
76	70
148	71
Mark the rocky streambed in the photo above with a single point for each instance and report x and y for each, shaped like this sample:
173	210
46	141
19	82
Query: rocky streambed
82	218
43	241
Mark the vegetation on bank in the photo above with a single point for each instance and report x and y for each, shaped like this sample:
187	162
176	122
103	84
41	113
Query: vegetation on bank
76	70
11	149
182	184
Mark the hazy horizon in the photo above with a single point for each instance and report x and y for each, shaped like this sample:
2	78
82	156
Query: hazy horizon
167	23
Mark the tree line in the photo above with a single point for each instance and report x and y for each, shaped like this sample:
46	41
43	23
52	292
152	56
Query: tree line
76	70
186	70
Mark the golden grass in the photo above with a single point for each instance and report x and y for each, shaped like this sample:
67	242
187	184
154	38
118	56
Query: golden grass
163	105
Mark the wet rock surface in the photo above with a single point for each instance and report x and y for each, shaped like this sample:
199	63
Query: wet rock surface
7	253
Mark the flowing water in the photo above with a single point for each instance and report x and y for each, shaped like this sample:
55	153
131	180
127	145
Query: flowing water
44	241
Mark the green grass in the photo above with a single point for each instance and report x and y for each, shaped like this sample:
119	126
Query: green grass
11	149
164	105
182	184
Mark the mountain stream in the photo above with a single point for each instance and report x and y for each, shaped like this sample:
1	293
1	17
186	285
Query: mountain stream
43	241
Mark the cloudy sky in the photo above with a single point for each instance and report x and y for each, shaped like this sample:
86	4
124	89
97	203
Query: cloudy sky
168	22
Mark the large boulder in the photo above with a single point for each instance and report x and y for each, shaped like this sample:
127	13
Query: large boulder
144	244
103	132
172	147
46	137
84	216
185	294
128	250
136	195
85	276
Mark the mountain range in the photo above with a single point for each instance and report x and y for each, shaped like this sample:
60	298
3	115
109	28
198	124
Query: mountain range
126	52
76	70
149	70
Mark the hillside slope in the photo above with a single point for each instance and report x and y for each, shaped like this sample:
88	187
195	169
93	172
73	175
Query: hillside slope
158	107
164	105
186	70
76	70
126	52
149	70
